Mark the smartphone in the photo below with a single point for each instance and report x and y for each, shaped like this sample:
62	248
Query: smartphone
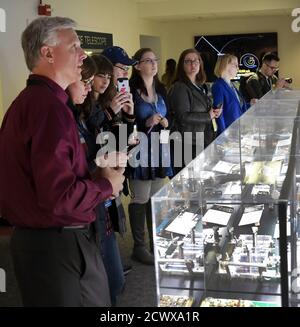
219	106
123	85
289	80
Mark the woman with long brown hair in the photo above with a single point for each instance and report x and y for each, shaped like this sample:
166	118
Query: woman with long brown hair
190	106
107	109
147	178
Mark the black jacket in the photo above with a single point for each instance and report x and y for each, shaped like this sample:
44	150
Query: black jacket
258	85
189	109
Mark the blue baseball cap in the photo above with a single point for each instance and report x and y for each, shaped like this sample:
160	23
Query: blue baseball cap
118	55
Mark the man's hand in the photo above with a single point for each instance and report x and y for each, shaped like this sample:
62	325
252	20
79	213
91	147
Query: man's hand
113	160
116	178
280	83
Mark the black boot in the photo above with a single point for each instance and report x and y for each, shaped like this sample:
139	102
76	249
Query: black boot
149	225
137	214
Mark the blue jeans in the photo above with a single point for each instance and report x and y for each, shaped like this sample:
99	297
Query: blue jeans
113	265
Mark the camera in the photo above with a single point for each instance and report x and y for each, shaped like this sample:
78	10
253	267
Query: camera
289	80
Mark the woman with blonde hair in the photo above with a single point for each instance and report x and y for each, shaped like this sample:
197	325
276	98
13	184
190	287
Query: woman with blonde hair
225	93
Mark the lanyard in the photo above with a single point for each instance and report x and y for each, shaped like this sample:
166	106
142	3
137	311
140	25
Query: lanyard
200	88
154	104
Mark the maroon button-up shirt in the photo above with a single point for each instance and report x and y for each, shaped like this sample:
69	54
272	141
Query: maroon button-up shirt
44	179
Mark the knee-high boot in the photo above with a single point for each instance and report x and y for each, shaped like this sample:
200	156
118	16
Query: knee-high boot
149	224
137	215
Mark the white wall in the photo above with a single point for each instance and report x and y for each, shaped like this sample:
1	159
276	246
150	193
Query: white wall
119	17
13	70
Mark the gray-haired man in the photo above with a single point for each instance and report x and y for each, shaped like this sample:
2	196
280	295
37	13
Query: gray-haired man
45	187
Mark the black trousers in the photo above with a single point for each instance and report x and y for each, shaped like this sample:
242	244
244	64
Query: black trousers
59	268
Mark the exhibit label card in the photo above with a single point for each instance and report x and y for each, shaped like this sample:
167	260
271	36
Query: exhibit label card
251	215
219	215
224	167
183	223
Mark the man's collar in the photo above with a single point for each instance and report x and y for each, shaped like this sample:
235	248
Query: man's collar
263	74
59	92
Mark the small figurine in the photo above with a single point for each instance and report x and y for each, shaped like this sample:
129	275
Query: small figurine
180	250
216	235
254	231
193	236
231	236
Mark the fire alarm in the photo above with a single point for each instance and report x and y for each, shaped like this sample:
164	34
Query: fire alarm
44	10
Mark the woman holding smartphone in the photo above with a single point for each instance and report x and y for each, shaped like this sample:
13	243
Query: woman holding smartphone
110	216
190	106
107	109
151	110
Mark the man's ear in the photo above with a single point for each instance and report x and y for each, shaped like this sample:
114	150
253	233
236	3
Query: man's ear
47	54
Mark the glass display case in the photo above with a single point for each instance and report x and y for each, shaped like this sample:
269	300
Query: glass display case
227	226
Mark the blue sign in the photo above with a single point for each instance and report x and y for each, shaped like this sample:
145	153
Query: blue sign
249	61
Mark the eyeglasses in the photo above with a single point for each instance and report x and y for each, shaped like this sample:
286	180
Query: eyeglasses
150	61
192	62
125	68
272	67
104	76
88	81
